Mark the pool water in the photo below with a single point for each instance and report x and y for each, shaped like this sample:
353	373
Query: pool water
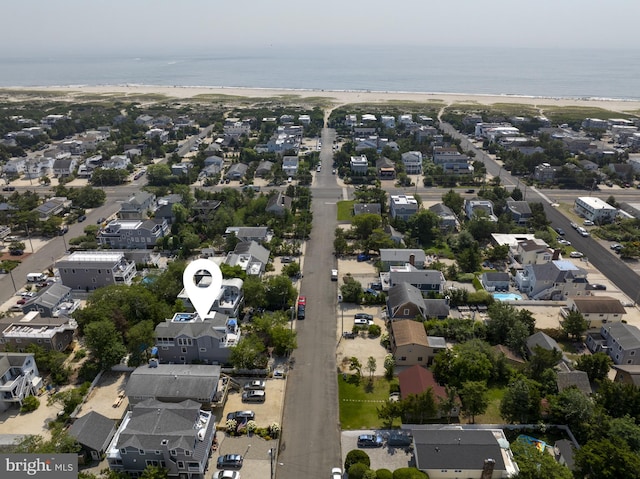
507	296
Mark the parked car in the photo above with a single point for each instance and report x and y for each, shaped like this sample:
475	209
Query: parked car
560	231
616	246
574	226
231	461
363	316
582	231
255	384
242	415
363	257
21	301
254	396
363	322
336	473
16	252
8	188
576	254
370	440
301	311
81	218
470	191
588	223
599	287
286	259
226	474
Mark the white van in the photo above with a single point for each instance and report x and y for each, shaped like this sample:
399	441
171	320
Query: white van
36	277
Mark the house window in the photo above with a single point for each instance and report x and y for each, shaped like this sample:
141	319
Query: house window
184	350
187	453
123	451
141	452
158	453
406	312
180	464
419	358
149	462
203	350
628	361
403	358
632	353
173	452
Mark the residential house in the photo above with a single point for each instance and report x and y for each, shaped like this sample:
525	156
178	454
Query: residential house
144	120
447	452
304	120
250	256
93	432
399	257
50	301
544	172
138	206
426	280
436	309
51	334
448	219
495	281
279	204
386	168
290	165
410	344
164	208
173	383
236	129
541	340
623	171
182	168
137	234
215	161
259	234
159	133
117	162
588	165
627	373
534	251
425	133
19	378
520	211
14	166
188	339
64	167
237	171
597	310
595	209
264	168
412	161
403	206
479	208
367	208
228	301
405	302
89	270
52	207
620	341
417	379
576	379
555	280
388	121
359	165
174	436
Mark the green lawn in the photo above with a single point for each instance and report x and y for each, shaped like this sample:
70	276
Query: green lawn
359	402
345	210
492	415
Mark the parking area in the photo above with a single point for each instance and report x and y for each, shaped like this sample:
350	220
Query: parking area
266	413
384	457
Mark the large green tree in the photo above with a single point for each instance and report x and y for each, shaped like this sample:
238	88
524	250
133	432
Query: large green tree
574	324
105	343
607	459
475	399
534	464
596	365
521	402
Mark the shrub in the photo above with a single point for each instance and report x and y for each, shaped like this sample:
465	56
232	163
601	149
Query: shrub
384	474
409	473
88	371
251	427
30	403
232	425
374	330
80	353
358	470
355	456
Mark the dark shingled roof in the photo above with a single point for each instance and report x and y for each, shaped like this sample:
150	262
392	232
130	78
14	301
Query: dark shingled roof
93	430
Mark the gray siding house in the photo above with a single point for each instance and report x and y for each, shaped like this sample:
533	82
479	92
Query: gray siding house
50	301
93	432
51	334
137	207
185	339
175	436
405	302
19	378
400	257
173	383
126	234
89	270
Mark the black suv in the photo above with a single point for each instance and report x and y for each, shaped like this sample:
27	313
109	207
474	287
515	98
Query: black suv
301	311
370	440
242	415
230	461
363	316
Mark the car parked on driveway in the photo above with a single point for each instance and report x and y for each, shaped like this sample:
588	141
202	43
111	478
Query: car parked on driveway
588	223
576	254
255	384
230	461
363	316
254	396
370	440
363	322
226	474
242	415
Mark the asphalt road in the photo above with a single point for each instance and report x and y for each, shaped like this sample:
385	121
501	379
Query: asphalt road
310	443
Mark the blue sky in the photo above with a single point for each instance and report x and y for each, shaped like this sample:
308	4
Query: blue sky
195	25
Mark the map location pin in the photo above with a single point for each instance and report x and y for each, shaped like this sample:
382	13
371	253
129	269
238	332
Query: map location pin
201	292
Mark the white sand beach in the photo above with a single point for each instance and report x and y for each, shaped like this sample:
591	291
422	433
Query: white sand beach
335	97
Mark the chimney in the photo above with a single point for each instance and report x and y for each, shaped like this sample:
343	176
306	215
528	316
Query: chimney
487	469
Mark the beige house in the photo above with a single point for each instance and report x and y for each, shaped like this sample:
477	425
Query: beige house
411	345
533	252
597	310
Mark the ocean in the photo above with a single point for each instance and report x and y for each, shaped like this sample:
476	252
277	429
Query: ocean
568	73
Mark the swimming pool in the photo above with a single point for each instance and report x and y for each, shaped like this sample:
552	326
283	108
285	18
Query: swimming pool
507	296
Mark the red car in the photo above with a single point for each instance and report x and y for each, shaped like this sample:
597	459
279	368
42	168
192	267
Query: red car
21	301
302	300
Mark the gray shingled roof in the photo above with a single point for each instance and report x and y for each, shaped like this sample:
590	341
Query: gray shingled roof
543	340
579	379
50	296
456	449
93	430
191	329
405	293
626	335
179	381
401	255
